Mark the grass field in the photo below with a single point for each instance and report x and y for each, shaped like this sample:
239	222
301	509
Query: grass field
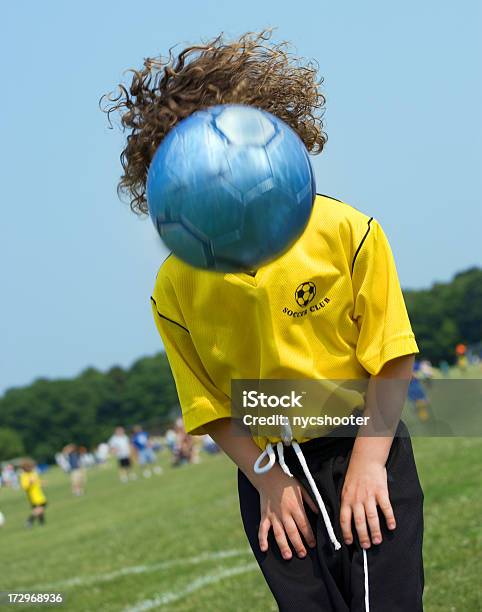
175	541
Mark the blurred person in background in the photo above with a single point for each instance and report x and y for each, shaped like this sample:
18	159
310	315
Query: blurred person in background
120	446
196	447
77	473
62	462
9	477
209	445
171	440
444	368
142	445
417	395
426	372
32	485
184	445
461	353
102	453
87	458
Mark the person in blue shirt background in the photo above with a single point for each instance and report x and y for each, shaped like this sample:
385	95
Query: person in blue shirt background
417	394
142	445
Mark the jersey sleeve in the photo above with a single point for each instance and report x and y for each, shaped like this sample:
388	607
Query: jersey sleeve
379	308
201	401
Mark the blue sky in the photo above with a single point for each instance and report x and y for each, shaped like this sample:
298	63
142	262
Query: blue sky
403	82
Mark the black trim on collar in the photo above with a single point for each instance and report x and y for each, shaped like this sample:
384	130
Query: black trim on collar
323	195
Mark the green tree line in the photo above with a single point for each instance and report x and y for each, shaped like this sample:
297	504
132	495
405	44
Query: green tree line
41	418
446	314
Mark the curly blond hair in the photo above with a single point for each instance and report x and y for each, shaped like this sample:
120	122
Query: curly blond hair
250	70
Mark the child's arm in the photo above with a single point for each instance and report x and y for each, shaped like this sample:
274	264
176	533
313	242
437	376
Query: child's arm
365	484
281	497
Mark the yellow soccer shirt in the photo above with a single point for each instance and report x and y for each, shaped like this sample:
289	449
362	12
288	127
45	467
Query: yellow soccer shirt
329	308
31	484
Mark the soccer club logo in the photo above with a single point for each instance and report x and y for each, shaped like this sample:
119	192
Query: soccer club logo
305	293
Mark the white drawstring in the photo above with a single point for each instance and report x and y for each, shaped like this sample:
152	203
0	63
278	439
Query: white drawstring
268	451
281	459
365	574
316	493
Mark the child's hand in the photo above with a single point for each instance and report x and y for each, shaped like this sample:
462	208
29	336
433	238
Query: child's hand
365	487
281	502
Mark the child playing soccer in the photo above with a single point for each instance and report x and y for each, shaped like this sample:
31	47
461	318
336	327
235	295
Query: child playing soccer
32	485
334	522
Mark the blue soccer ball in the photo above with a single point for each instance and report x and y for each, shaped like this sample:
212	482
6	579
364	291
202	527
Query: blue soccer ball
230	188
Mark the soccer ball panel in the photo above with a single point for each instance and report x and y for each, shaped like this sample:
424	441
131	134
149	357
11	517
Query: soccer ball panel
239	159
186	246
289	171
196	166
242	127
273	218
226	211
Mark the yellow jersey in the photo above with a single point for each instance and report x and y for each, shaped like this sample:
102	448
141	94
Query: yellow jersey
331	307
32	485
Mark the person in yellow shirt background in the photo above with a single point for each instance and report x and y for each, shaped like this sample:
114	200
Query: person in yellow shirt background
32	485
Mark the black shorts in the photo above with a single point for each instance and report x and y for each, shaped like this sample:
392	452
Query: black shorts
44	505
125	462
334	581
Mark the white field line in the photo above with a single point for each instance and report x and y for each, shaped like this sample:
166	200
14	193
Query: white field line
140	569
169	597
